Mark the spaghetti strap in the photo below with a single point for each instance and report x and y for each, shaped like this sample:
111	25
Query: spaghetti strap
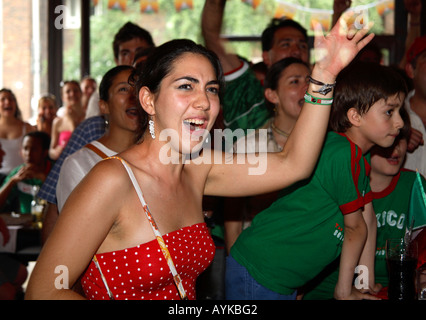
133	179
159	237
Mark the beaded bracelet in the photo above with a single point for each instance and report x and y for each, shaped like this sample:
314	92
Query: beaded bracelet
326	88
318	101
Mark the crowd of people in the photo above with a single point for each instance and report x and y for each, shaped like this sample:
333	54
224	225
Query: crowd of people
129	176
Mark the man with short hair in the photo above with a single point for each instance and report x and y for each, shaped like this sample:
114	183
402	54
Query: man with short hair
244	103
128	41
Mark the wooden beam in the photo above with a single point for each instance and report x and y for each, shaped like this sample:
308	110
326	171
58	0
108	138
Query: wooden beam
85	38
55	47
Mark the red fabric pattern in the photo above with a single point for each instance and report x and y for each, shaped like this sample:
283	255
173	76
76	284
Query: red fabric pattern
142	272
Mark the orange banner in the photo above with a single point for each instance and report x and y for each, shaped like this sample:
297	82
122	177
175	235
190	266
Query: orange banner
149	6
385	7
284	10
253	3
183	4
117	4
323	18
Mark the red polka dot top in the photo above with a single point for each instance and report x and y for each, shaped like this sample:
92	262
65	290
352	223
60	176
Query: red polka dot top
142	272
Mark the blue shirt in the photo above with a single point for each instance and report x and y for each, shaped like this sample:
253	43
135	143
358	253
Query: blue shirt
90	129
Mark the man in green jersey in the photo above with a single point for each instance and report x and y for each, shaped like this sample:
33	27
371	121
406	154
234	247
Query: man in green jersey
244	103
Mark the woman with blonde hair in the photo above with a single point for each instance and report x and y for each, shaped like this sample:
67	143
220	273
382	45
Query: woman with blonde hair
46	113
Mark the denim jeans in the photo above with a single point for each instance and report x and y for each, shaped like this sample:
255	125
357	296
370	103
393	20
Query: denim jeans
240	285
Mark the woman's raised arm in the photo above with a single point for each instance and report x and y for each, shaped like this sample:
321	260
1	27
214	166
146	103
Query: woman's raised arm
297	160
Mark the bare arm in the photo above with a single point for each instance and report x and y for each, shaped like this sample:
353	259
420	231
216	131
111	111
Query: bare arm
353	244
80	230
7	187
55	149
300	154
50	217
211	25
369	252
359	248
26	172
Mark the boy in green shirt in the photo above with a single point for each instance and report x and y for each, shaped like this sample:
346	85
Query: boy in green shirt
330	213
16	192
391	187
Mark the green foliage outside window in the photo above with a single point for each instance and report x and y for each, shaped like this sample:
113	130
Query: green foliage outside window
240	19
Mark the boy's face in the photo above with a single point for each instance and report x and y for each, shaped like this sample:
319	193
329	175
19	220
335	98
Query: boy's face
32	151
388	161
382	123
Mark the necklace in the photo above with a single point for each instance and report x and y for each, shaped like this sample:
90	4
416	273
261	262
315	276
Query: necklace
279	131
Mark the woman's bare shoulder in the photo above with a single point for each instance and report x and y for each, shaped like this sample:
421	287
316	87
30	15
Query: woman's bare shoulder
107	182
111	168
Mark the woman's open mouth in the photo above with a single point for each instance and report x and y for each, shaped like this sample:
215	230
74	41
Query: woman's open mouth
195	125
132	112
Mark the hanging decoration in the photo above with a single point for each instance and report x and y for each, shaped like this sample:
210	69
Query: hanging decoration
323	18
310	16
149	6
183	4
117	4
359	19
285	10
253	3
385	6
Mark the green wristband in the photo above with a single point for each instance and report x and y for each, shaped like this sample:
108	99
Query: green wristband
319	101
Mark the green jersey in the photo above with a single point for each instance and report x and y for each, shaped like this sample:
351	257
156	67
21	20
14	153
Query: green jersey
391	207
21	195
244	100
302	231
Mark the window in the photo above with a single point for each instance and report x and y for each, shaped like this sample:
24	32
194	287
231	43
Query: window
24	59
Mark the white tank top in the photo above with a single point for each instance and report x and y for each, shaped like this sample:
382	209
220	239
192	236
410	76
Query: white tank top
12	150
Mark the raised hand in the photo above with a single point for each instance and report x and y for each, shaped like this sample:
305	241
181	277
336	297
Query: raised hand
339	47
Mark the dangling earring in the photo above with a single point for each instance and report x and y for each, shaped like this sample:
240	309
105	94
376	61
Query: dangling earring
151	128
